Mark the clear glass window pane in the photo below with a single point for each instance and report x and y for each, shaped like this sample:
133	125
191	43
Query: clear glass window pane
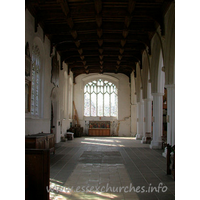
92	89
85	89
101	89
98	89
112	89
115	89
100	104
113	105
104	99
106	105
93	105
89	89
104	89
86	104
95	88
35	80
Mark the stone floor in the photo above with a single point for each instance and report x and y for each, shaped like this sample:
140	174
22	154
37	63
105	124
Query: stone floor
109	168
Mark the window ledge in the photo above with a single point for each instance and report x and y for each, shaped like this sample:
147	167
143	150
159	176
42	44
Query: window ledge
100	118
29	116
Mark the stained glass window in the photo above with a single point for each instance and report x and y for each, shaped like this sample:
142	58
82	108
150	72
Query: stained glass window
100	99
35	89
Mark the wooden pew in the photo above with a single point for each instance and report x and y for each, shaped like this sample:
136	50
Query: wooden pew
171	161
173	164
37	173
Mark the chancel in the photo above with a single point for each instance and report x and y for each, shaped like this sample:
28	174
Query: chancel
100	98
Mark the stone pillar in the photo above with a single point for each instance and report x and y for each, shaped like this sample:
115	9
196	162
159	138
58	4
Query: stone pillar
133	119
140	120
156	143
133	107
170	116
147	119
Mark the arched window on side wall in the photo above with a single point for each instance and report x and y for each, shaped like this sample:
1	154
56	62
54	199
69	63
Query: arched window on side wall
35	86
100	99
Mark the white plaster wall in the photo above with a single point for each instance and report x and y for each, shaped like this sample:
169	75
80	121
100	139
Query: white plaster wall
124	106
42	123
66	119
123	121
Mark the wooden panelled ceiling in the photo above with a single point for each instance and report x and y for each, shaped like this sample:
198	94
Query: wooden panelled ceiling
99	36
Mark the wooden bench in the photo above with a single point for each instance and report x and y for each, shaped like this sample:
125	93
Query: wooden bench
171	160
78	131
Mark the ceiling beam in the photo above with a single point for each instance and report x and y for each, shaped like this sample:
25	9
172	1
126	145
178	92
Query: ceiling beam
99	36
127	21
66	10
98	10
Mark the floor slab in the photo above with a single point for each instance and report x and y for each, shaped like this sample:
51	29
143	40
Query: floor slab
109	168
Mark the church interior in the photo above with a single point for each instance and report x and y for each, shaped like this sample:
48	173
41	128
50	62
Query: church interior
100	98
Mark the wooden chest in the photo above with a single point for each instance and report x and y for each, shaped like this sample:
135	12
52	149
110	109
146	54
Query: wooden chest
40	141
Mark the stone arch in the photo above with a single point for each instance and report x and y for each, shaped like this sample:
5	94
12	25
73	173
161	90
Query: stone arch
169	61
146	74
161	76
138	83
156	64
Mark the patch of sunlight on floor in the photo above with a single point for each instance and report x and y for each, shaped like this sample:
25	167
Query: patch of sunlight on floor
84	195
55	181
124	138
99	139
101	182
107	195
103	144
92	195
58	191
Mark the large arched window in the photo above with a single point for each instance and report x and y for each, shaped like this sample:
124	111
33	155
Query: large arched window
100	99
35	86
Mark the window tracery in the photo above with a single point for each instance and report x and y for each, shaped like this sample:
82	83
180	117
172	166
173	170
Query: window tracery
100	99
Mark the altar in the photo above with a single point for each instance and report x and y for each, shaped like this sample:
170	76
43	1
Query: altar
99	128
